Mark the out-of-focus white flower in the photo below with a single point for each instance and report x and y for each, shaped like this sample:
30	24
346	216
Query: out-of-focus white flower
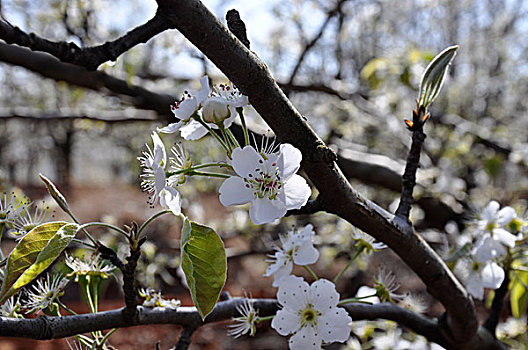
391	340
94	266
44	294
310	313
268	180
296	247
385	285
414	303
366	242
185	108
483	275
154	180
10	208
491	228
11	308
154	299
246	322
26	221
367	294
511	328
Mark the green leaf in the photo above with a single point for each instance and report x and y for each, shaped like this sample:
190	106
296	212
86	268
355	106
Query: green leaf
203	260
518	296
434	76
34	253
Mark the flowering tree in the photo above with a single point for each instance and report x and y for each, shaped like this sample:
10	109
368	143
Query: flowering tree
265	174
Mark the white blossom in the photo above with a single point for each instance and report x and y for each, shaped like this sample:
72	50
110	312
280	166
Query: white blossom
268	180
310	313
296	247
154	299
246	322
483	275
45	292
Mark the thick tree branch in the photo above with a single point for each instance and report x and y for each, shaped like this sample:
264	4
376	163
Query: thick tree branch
90	57
251	75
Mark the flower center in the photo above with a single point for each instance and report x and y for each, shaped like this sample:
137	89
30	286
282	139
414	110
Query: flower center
309	316
266	183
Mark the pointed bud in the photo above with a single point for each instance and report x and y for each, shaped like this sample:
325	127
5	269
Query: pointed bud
434	76
54	192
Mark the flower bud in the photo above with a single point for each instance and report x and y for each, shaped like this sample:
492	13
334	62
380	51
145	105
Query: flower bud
215	110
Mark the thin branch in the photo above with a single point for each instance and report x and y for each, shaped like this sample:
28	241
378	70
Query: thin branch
309	45
409	176
185	338
35	114
311	207
90	57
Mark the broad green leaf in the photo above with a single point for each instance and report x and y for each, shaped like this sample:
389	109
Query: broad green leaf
518	294
203	260
26	254
434	76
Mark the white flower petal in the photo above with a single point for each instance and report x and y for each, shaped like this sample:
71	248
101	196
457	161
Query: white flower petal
285	322
490	211
474	286
264	211
233	191
170	199
245	160
159	180
160	156
364	291
204	91
296	192
504	237
492	275
505	216
334	325
487	249
171	128
306	338
290	160
193	131
186	108
323	294
305	234
293	293
306	254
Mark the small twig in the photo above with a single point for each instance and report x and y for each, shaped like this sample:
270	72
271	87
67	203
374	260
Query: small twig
409	176
237	26
185	338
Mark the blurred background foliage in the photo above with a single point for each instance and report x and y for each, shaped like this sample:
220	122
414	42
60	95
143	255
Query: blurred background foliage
352	68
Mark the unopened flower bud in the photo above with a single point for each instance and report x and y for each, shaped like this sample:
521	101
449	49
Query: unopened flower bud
215	110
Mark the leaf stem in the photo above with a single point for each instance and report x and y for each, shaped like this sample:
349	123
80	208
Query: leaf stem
149	220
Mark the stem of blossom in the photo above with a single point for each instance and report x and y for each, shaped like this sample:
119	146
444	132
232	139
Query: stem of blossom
240	112
65	307
232	138
356	300
310	271
78	241
211	131
84	340
93	309
201	166
102	224
264	319
107	335
226	138
202	173
356	254
149	220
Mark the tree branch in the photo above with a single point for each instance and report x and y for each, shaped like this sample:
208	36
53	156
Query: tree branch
90	57
252	76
